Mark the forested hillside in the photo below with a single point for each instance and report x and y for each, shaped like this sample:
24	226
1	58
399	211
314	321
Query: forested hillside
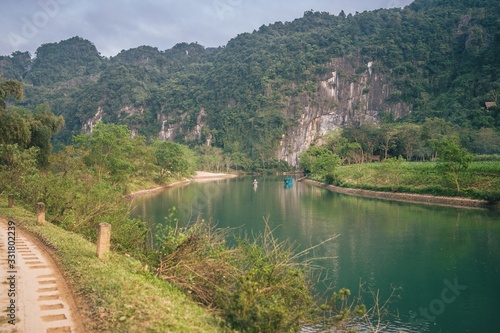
269	94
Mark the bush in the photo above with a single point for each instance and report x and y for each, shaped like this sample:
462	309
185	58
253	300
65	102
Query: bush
81	204
256	285
271	292
331	179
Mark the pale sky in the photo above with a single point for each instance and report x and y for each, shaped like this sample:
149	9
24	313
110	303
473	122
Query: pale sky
115	25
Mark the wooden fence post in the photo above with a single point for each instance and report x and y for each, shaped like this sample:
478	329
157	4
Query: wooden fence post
11	200
40	213
103	240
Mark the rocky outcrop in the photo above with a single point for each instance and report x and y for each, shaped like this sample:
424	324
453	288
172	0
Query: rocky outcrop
169	131
354	93
196	133
89	125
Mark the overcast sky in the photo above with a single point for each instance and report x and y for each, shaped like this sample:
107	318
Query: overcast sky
115	25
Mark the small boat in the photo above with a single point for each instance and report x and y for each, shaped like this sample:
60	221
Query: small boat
288	182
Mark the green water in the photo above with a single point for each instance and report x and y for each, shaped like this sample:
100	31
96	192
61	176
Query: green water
445	260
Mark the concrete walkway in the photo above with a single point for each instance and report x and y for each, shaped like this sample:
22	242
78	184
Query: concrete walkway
34	296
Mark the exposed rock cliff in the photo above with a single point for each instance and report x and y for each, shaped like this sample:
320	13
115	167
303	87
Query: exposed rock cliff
354	93
169	131
89	125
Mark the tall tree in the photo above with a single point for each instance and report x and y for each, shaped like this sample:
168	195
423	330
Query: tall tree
387	134
409	139
173	159
453	158
107	151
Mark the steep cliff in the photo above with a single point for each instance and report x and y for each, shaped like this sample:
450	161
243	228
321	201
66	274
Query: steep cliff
356	92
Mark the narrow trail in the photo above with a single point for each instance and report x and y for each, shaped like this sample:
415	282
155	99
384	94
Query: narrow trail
34	297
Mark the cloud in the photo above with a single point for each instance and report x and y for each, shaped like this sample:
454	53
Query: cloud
114	25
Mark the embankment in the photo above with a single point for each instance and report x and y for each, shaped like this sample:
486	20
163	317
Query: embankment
407	197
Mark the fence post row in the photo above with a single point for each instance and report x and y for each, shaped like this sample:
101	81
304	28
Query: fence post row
104	229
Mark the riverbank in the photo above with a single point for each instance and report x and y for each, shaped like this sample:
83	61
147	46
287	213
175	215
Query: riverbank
200	176
478	186
407	197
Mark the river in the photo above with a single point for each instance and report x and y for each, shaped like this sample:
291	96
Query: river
444	261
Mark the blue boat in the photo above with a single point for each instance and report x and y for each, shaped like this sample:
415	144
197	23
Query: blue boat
288	182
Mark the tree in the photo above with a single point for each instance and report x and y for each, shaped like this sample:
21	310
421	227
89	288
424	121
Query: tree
319	161
453	158
366	136
18	172
43	127
173	159
409	139
210	158
107	151
10	89
240	161
67	162
387	134
486	141
434	129
14	128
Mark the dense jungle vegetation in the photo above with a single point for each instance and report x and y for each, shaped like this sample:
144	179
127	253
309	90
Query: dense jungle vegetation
441	56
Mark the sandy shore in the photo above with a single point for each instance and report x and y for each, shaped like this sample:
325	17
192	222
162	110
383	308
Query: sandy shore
200	176
203	175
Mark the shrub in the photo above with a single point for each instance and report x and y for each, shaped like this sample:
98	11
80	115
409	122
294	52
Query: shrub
256	285
271	292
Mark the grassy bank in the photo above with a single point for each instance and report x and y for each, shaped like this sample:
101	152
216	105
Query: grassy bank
480	181
116	295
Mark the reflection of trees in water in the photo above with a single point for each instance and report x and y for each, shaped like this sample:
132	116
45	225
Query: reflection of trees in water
381	242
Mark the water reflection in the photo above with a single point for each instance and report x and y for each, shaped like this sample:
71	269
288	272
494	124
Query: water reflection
382	243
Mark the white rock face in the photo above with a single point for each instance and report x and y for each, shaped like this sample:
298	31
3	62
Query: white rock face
89	125
355	94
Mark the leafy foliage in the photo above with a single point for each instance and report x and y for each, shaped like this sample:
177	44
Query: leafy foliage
439	56
107	151
19	126
319	161
257	285
453	159
19	173
174	159
10	89
66	60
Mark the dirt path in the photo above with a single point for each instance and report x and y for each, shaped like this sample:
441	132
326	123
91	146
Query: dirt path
34	296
